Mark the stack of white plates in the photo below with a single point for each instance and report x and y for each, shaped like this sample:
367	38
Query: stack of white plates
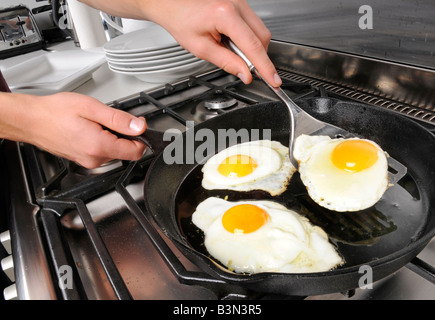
152	55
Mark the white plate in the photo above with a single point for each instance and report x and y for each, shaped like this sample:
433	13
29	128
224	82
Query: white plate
143	40
168	75
53	72
177	55
144	54
151	66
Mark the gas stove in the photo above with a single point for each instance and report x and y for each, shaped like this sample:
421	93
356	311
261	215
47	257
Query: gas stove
77	233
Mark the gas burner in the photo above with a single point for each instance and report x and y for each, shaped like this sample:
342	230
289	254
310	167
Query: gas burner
105	167
219	101
212	106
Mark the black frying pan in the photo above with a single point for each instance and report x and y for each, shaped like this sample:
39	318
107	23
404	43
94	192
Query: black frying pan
385	237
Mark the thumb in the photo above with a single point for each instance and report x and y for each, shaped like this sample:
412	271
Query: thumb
117	120
137	125
127	124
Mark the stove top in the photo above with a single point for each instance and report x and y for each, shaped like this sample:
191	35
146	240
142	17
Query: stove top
86	234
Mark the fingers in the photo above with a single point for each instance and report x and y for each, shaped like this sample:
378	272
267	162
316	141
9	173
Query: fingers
198	25
108	146
236	20
249	33
104	146
255	23
112	147
116	120
226	60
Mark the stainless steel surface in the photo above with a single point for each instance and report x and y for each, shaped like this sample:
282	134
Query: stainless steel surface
403	30
32	271
406	89
402	285
143	270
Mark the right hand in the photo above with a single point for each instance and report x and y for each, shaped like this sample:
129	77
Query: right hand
198	24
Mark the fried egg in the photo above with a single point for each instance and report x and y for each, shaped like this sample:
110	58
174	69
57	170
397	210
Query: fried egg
254	165
342	174
263	236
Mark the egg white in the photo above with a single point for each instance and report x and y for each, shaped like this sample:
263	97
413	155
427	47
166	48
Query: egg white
272	174
287	243
333	188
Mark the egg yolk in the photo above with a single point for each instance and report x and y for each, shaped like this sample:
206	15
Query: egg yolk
244	218
354	155
237	166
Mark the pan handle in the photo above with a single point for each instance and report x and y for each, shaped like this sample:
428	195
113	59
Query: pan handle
152	138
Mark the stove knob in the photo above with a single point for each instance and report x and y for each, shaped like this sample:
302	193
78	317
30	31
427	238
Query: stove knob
5	239
8	267
10	293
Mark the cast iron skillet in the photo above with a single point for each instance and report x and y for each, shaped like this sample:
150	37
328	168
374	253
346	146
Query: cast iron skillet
375	242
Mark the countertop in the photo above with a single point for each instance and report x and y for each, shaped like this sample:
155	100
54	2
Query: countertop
103	84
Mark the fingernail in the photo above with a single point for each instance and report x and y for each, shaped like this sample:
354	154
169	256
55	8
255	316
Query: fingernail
277	79
137	124
243	77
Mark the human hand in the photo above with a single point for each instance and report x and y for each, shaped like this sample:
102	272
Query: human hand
70	125
198	24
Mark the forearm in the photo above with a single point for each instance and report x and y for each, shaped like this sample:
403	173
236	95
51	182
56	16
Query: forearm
15	116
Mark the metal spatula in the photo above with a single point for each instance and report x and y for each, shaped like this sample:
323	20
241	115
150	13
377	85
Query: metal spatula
303	123
300	121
